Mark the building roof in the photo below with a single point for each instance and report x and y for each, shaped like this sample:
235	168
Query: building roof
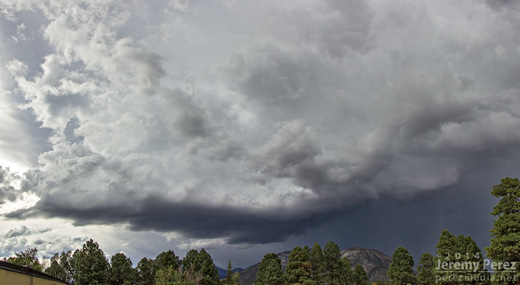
28	271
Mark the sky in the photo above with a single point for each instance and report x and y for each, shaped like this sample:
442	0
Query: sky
248	127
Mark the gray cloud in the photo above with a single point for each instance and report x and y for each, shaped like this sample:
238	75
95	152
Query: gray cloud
235	225
24	237
17	232
8	191
321	108
24	231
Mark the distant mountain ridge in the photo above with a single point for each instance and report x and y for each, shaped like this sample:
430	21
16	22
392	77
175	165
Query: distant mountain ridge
373	261
222	273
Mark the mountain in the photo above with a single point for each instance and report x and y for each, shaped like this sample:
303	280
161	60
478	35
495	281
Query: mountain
373	261
248	276
222	273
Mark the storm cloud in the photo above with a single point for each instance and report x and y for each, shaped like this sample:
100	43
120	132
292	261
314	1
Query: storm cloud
222	119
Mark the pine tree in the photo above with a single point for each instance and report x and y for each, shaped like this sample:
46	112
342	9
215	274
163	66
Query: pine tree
335	271
425	270
447	250
166	259
461	250
145	272
401	268
359	276
61	267
55	269
121	271
505	241
471	254
66	262
270	271
90	265
201	263
231	278
348	274
190	259
298	269
207	268
317	261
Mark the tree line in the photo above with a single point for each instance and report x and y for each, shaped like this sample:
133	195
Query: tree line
89	266
458	260
310	267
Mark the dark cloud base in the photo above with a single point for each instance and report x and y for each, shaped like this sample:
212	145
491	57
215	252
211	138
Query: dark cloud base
191	220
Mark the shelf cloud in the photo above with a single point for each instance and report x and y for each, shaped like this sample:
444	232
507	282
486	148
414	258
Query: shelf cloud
222	119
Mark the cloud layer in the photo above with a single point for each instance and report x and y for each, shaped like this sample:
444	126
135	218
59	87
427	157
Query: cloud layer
220	119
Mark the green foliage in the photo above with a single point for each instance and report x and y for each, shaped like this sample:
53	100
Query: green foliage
317	261
166	259
66	262
55	270
298	269
91	266
505	241
359	276
459	250
231	278
447	248
401	268
202	263
425	270
270	271
190	259
335	271
27	258
348	277
121	271
179	276
145	272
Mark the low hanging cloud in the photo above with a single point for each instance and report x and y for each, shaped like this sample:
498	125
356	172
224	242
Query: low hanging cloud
163	119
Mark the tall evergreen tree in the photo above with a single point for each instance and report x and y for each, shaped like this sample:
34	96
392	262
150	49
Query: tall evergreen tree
55	269
121	271
229	274
359	276
66	262
348	274
207	268
231	277
201	263
317	261
505	241
426	269
145	272
401	268
461	250
335	271
471	254
298	269
166	259
270	271
447	249
90	264
190	259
